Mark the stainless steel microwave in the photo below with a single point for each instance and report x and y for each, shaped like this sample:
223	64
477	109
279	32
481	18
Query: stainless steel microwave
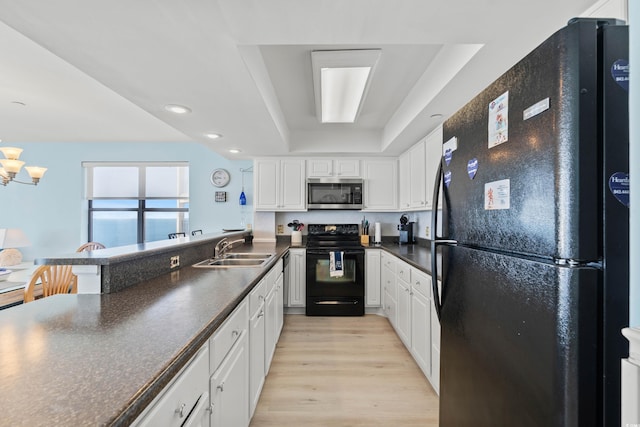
334	193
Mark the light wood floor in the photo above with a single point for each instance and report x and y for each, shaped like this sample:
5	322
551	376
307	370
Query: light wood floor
344	371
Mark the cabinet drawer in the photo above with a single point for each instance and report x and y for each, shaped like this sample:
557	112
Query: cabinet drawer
403	271
181	396
421	282
224	338
272	276
388	261
389	283
256	297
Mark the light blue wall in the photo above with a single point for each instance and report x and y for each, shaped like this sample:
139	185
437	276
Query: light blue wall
53	214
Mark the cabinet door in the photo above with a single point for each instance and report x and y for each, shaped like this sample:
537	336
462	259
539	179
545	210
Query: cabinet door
381	185
200	416
435	351
267	184
297	278
421	331
347	168
403	327
418	183
318	168
372	277
293	185
433	148
404	180
388	278
279	306
230	388
391	309
270	325
256	358
187	391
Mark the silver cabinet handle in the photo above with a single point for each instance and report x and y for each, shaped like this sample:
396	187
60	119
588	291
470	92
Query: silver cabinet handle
260	297
261	313
234	333
221	386
180	410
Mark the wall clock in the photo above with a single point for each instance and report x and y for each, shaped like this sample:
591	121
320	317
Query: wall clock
220	177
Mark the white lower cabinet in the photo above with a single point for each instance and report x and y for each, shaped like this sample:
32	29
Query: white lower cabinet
200	416
273	313
279	306
269	329
221	385
435	351
389	287
421	331
408	304
229	384
256	341
372	277
230	387
296	278
185	401
403	325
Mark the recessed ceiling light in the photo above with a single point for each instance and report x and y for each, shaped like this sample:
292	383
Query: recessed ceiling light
212	135
234	151
178	109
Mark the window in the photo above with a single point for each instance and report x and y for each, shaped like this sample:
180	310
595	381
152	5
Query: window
131	203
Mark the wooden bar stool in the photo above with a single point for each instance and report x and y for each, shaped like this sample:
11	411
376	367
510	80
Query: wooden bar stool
55	279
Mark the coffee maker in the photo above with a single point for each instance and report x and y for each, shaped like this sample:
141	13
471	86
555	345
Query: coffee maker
405	229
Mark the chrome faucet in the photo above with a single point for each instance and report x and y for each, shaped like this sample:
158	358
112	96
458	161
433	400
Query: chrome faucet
221	248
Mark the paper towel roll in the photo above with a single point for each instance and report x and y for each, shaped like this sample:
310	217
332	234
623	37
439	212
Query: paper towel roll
377	233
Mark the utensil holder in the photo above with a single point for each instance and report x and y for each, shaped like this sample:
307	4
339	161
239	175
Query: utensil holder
296	237
364	240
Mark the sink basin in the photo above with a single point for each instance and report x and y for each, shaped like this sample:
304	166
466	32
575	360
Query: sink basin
235	260
247	256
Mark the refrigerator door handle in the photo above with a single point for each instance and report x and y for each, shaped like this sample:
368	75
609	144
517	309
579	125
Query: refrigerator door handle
434	242
437	241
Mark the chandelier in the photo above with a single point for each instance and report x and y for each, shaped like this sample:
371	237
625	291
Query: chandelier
11	166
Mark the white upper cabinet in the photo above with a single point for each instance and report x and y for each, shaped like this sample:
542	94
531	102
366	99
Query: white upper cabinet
412	178
404	180
417	166
380	185
433	149
417	174
279	185
343	168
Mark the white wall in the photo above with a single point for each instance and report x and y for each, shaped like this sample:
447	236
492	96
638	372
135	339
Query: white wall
53	214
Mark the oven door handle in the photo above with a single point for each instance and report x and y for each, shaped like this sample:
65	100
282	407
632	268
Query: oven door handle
326	252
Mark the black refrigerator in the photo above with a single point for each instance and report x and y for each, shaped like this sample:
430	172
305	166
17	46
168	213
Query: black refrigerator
534	240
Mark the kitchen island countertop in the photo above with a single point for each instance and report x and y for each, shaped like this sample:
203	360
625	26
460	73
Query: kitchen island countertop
101	359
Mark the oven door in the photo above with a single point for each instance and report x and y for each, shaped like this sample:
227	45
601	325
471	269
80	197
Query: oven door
328	295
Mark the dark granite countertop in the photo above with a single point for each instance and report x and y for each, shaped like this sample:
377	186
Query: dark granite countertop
134	252
101	359
418	254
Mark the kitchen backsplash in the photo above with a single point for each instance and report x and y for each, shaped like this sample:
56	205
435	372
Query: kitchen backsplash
266	223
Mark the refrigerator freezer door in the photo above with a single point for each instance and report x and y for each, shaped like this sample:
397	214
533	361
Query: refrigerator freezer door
519	341
537	192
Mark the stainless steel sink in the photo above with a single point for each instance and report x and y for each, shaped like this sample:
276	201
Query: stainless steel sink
247	255
235	260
